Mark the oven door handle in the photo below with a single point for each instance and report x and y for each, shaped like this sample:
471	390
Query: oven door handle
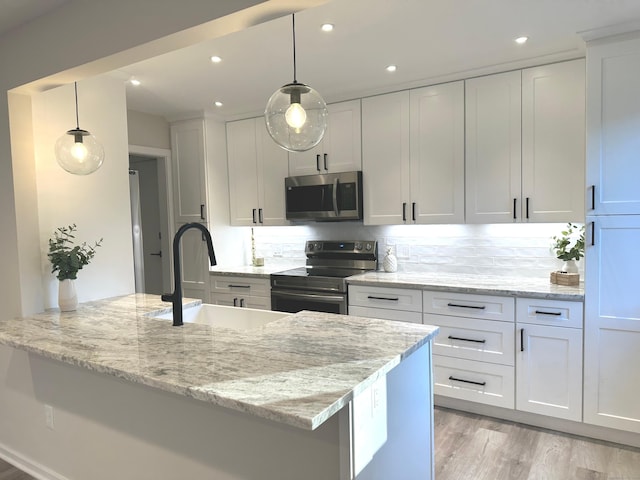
319	297
336	210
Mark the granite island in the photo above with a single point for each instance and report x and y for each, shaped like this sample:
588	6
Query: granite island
111	392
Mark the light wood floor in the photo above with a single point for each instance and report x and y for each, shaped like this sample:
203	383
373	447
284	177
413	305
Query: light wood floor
472	447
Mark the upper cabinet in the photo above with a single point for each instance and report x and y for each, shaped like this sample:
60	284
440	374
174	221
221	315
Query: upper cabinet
340	149
189	171
257	169
413	156
613	123
525	145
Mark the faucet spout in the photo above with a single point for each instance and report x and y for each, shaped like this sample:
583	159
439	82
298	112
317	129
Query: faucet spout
176	297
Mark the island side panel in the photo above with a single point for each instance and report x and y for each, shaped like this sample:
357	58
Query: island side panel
106	428
408	452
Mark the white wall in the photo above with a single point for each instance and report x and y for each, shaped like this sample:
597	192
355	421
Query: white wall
148	130
97	203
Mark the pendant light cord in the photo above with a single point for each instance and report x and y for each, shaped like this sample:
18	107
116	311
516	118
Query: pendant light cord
293	23
75	84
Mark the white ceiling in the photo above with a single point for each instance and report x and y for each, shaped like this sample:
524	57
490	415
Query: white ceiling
429	40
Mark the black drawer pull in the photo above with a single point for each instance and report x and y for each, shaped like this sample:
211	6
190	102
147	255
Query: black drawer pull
540	312
522	339
451	337
235	302
482	384
231	285
370	297
404	212
477	307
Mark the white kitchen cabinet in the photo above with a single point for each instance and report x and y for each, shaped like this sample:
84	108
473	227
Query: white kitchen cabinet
239	291
340	149
401	304
553	142
612	322
413	156
525	135
188	150
613	123
257	169
194	264
549	358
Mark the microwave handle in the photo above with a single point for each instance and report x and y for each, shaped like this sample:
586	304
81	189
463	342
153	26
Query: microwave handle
336	210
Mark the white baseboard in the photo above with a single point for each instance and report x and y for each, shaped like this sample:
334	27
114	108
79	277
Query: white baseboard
27	465
542	421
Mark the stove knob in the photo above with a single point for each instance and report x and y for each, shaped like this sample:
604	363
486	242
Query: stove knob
358	246
310	246
368	246
318	246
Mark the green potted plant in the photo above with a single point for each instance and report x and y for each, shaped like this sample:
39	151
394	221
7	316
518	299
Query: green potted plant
66	260
569	247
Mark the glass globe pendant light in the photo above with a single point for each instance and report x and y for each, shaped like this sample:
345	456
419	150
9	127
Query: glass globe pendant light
77	151
296	115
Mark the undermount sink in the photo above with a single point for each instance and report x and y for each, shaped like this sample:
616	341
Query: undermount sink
226	317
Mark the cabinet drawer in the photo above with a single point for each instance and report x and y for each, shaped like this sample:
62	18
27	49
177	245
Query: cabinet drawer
241	285
387	298
236	300
559	313
481	382
486	307
473	339
385	314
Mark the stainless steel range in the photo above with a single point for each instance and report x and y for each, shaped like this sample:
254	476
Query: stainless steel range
321	285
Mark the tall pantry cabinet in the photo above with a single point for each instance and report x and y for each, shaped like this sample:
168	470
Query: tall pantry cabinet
612	276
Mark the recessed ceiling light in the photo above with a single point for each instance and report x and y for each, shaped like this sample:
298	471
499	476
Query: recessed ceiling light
327	27
521	40
217	103
135	82
216	59
391	68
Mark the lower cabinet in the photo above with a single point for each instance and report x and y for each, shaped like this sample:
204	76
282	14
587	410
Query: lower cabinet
400	304
244	292
549	358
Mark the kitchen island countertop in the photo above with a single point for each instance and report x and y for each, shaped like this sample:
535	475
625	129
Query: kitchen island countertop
298	370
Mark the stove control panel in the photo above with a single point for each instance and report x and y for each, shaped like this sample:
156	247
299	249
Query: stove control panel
357	247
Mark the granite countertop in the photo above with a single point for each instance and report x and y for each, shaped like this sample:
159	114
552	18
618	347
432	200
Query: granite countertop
299	370
255	272
465	283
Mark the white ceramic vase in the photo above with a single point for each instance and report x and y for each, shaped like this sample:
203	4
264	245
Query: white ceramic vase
390	262
570	266
67	296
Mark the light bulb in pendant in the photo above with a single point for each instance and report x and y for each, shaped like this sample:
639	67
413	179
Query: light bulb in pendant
79	151
295	116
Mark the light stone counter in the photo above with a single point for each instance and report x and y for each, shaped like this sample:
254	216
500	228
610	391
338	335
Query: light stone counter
255	272
299	370
480	284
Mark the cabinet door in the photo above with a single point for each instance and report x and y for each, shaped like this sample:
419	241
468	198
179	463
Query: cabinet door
189	171
385	159
437	154
273	168
612	323
549	371
340	149
613	123
493	148
243	172
553	142
241	301
194	265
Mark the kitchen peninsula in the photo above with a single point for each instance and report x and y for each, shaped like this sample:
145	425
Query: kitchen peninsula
311	395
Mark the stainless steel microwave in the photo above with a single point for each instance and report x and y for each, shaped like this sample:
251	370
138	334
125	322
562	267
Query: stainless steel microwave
324	197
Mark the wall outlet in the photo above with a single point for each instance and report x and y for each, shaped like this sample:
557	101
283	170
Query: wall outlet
48	416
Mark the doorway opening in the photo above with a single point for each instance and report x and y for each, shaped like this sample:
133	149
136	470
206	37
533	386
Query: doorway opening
149	181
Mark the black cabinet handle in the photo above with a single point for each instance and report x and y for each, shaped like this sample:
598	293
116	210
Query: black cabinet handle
477	307
413	211
202	211
482	384
253	215
451	337
158	254
593	233
235	302
522	339
404	211
231	285
260	219
371	297
318	162
242	302
527	207
326	155
593	197
515	200
540	312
